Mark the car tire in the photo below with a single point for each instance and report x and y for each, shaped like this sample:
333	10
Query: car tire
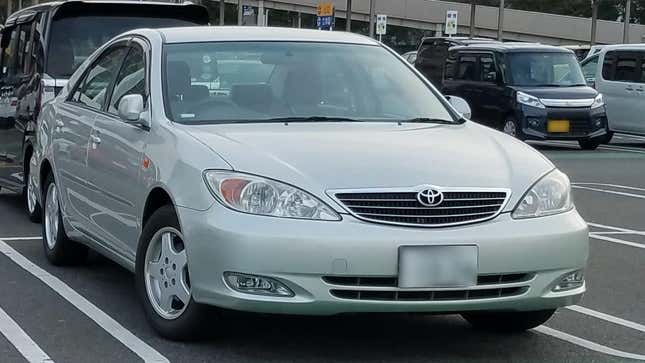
512	127
59	249
591	144
607	138
29	192
175	320
508	322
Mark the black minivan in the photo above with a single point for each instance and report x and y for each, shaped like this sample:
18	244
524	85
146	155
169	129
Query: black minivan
41	46
530	91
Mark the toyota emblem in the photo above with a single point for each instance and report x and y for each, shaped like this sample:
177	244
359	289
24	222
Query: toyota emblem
430	197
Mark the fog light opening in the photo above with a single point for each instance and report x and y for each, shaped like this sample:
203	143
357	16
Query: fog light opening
256	285
570	281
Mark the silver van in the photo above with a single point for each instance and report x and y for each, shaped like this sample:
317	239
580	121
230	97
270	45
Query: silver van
618	72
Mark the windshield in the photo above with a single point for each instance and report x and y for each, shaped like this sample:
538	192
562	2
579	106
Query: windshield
545	70
73	39
267	81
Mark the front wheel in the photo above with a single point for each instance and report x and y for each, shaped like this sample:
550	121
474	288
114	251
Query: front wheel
508	322
513	128
591	144
163	281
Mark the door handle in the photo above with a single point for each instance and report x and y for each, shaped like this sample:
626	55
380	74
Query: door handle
59	125
629	89
95	139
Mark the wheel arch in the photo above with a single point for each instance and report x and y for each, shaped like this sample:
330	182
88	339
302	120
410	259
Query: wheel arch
45	170
157	198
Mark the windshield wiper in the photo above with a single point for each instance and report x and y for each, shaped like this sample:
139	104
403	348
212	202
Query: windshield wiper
430	120
311	119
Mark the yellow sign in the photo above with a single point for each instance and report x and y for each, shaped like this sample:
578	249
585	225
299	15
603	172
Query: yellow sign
326	9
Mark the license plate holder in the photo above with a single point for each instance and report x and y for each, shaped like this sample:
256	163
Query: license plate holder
558	126
438	266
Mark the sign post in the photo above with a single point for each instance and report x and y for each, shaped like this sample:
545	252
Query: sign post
451	22
326	15
381	26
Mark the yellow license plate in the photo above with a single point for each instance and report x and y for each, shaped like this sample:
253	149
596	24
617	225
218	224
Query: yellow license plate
558	126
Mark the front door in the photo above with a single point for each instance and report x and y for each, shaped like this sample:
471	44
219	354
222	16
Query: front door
115	160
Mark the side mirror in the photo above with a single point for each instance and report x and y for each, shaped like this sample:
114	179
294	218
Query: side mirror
591	82
130	109
460	105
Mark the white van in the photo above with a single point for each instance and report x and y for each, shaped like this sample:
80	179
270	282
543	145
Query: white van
618	72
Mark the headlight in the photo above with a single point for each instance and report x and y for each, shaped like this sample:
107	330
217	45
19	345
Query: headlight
256	195
529	100
551	195
598	101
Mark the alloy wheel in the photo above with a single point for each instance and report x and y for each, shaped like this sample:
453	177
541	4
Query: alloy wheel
166	274
510	128
52	212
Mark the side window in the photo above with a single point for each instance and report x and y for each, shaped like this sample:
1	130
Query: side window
626	67
467	68
451	64
608	66
131	79
24	47
9	50
95	86
487	71
589	68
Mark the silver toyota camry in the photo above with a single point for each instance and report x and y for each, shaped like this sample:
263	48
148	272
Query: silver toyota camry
299	172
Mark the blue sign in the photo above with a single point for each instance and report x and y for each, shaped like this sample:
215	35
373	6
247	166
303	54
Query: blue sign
325	22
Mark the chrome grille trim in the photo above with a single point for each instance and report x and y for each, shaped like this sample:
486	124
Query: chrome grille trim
430	295
399	206
587	102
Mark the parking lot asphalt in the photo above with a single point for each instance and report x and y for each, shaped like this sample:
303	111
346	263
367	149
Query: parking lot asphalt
90	313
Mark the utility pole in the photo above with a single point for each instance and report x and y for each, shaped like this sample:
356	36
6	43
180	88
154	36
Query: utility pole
500	21
372	15
594	20
628	8
473	11
222	11
348	26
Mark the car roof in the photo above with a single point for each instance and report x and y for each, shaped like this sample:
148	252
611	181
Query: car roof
248	33
604	48
514	47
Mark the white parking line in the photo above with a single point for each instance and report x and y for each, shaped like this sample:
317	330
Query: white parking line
587	343
136	345
620	229
21	238
21	341
617	240
606	317
612	186
624	194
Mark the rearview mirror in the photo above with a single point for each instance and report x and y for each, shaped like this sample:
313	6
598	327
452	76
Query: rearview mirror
130	108
460	105
490	77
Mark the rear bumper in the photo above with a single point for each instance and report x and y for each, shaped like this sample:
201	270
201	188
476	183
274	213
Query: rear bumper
585	123
300	254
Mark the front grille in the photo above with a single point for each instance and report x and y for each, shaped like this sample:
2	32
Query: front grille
439	295
393	281
457	207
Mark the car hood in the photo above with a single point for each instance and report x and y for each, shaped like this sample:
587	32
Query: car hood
560	93
318	157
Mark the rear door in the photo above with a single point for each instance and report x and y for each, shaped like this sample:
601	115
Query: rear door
115	159
621	90
462	80
639	123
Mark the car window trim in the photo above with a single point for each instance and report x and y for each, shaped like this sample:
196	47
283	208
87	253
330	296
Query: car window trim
81	81
131	45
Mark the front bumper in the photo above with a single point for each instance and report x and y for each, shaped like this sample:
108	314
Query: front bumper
585	123
300	253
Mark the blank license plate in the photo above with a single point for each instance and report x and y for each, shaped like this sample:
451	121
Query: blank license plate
558	126
437	266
